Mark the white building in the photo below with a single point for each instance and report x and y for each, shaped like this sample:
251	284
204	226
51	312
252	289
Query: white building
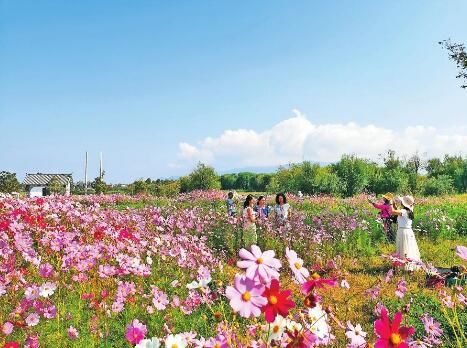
37	184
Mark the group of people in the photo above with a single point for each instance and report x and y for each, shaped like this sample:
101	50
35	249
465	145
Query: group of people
393	211
400	211
254	209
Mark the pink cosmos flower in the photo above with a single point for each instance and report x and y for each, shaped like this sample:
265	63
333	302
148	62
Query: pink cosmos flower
259	264
135	332
72	333
389	275
32	319
46	270
419	344
461	251
462	299
246	296
160	299
432	327
379	308
31	292
401	288
446	299
7	328
32	341
373	292
356	335
296	265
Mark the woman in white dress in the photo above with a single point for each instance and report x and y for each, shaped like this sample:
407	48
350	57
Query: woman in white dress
282	209
406	244
249	222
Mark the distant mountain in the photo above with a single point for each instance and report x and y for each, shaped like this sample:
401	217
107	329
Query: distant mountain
257	170
260	170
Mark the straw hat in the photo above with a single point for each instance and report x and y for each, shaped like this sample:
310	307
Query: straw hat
408	202
389	196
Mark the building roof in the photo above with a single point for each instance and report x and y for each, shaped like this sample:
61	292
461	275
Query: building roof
43	179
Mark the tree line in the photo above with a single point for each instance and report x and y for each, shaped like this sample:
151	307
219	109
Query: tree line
349	176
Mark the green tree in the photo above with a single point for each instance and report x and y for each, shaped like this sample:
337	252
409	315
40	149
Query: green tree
9	183
413	166
228	181
458	55
245	181
261	182
460	178
441	185
354	174
203	177
99	185
328	182
55	186
140	186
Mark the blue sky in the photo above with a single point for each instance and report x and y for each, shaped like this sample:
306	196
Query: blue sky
156	85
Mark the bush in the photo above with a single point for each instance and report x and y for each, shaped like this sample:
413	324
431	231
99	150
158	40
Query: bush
438	186
202	178
9	183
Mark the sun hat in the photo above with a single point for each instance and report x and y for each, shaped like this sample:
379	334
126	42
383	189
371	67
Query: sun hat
408	202
389	196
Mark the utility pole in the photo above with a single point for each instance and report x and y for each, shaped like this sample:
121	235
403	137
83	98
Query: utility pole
86	174
101	169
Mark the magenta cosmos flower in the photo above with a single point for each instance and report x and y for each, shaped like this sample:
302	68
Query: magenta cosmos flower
135	332
246	296
391	334
260	264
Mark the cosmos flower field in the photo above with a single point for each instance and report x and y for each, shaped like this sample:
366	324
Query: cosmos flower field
121	271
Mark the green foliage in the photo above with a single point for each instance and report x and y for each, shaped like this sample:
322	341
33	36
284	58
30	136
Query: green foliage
99	185
437	186
9	183
460	178
202	178
55	186
458	55
354	174
389	180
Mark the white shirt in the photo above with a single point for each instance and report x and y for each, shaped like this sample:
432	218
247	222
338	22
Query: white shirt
282	212
403	221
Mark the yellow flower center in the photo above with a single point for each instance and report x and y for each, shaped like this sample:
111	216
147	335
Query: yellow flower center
259	261
395	339
275	329
315	276
217	345
297	265
272	299
174	346
246	296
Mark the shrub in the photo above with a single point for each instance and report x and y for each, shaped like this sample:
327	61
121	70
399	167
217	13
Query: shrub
438	186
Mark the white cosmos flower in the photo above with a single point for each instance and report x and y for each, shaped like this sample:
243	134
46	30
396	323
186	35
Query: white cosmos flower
149	343
317	319
175	341
276	329
293	325
203	283
47	289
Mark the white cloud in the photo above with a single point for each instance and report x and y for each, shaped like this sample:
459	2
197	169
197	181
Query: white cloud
297	138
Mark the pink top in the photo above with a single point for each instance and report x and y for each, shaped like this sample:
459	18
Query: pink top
385	210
